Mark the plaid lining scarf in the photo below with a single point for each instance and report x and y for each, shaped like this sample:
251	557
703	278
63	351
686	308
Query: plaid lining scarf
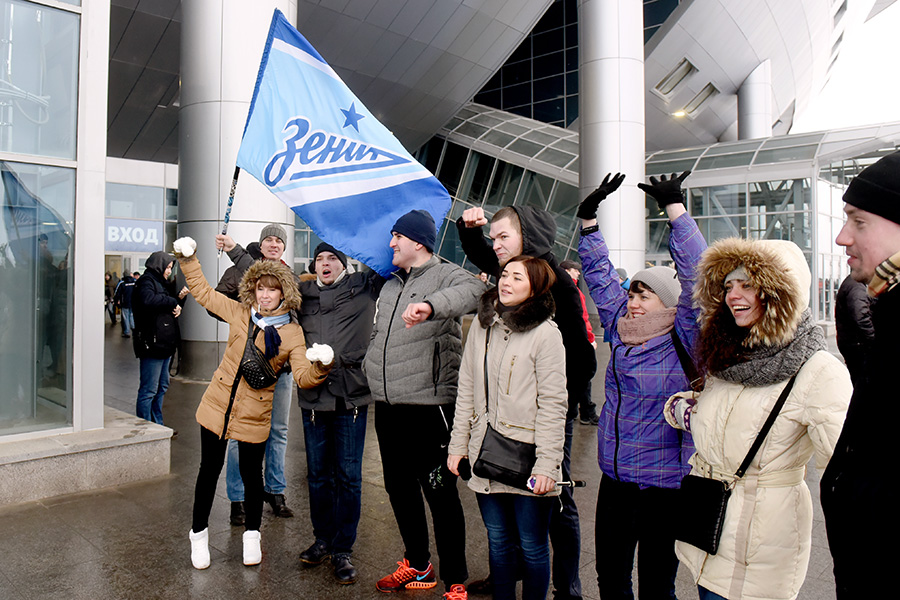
887	275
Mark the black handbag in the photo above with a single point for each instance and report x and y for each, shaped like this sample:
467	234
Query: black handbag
702	501
502	459
255	368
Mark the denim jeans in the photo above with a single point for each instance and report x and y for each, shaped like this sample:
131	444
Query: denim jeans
127	321
154	383
275	445
705	594
334	451
518	528
565	533
628	516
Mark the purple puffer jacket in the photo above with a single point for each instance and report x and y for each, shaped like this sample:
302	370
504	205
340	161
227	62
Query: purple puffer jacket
635	442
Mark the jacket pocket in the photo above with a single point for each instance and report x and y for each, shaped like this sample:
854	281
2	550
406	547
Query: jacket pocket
354	379
512	364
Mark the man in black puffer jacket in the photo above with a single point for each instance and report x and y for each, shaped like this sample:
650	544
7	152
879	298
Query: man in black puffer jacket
531	231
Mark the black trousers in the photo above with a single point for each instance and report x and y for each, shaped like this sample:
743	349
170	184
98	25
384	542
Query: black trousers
413	441
212	457
628	516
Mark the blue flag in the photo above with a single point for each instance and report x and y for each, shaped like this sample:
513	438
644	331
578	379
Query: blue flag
311	142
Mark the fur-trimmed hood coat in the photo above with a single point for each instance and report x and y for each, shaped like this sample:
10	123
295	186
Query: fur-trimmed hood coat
765	545
526	379
241	412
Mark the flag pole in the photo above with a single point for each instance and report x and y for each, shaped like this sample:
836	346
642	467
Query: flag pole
237	172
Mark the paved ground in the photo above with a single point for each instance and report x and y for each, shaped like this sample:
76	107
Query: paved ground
131	541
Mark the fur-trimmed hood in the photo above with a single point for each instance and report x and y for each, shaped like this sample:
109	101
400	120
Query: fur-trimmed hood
776	268
276	268
527	315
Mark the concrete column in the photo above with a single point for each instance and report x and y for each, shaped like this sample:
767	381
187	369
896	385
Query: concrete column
221	48
611	113
755	104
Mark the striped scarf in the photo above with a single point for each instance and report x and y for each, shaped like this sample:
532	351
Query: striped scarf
887	275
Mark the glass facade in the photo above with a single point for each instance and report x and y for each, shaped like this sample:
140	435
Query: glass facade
140	220
39	49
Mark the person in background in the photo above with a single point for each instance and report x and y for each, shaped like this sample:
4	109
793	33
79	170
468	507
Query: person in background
338	308
858	488
514	353
757	337
586	407
156	309
642	459
412	365
231	409
122	298
109	290
271	247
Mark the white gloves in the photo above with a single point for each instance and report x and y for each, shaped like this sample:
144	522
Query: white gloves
184	247
320	353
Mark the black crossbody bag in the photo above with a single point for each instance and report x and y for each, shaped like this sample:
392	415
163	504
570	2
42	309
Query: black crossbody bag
702	501
502	459
255	368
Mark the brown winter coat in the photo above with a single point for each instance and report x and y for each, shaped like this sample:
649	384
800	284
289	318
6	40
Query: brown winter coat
250	415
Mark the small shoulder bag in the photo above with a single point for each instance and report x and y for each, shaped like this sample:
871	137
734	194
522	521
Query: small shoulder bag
702	501
502	459
255	368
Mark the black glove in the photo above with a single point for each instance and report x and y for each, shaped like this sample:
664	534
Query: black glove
588	207
665	191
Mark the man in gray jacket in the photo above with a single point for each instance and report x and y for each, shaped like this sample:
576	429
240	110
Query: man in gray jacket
412	365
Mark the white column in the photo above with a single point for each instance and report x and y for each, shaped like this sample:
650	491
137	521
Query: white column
611	113
221	48
755	104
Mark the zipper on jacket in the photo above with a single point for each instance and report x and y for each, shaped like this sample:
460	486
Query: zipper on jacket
514	426
234	387
387	337
616	420
512	363
436	367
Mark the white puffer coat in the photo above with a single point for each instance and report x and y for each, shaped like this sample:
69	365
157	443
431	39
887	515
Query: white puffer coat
765	545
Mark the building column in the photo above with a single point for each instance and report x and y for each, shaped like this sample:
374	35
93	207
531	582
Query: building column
221	48
611	115
755	104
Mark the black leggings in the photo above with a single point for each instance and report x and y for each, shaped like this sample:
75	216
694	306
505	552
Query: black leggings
212	457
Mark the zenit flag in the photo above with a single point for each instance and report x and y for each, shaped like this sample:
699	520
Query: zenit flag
315	146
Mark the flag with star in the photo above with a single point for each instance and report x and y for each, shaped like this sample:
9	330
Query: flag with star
314	145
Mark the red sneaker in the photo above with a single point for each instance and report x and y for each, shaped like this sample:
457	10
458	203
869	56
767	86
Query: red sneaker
457	592
405	577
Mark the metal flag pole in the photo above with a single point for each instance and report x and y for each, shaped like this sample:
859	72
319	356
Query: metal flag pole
237	172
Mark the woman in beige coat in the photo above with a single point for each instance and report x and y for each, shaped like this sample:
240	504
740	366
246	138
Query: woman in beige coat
515	338
756	332
230	407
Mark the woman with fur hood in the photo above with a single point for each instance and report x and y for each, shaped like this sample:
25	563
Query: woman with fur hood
756	334
516	340
231	408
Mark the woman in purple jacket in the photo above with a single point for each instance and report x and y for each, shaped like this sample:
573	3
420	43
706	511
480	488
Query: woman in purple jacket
642	462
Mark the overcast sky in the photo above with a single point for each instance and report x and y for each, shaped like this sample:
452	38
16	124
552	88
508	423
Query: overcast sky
865	82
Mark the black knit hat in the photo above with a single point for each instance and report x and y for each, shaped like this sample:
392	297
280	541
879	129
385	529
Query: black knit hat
325	247
877	188
417	225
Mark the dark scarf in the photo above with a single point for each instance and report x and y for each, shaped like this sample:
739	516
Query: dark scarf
767	365
527	315
270	326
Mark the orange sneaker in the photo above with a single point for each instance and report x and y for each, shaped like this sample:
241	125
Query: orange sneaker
405	577
457	592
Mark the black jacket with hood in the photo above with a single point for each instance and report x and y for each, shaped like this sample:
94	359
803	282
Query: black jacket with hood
853	327
156	332
538	235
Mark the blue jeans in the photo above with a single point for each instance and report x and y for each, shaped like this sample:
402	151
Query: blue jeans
705	594
154	383
518	527
565	533
275	446
334	451
127	321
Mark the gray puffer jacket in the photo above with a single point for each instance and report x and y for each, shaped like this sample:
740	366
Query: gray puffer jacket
420	365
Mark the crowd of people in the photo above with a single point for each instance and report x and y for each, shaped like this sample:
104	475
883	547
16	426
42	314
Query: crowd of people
718	374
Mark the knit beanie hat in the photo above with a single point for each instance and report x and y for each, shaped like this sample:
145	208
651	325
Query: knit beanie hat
622	273
273	229
877	188
325	247
663	281
417	225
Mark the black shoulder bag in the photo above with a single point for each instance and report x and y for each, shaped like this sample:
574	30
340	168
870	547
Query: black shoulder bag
702	501
502	459
255	368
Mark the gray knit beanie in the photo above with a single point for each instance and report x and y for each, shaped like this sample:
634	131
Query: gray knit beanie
663	281
273	229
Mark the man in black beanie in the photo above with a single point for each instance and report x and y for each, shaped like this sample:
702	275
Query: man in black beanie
858	488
